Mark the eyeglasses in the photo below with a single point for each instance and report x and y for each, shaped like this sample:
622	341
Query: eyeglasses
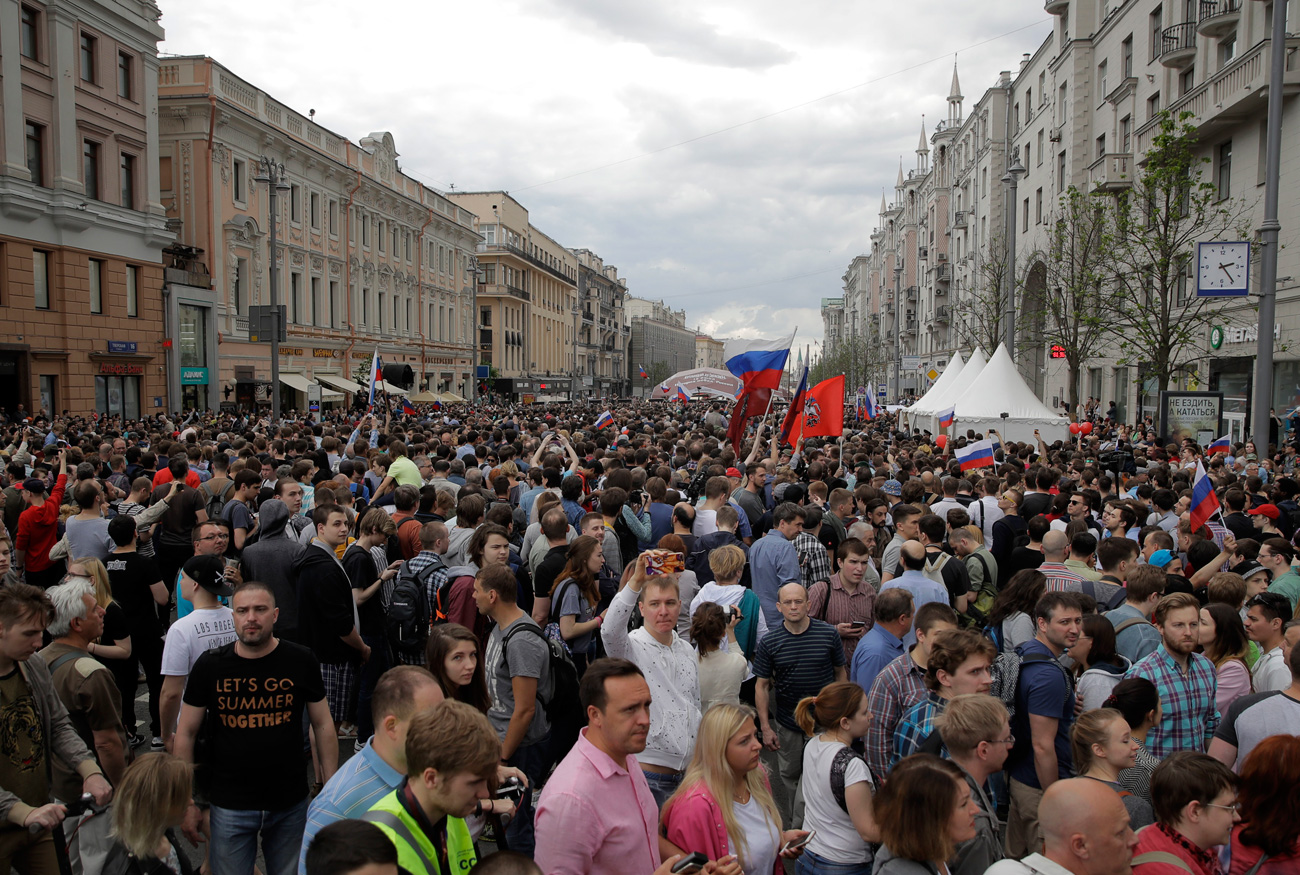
1273	600
221	537
1008	741
1234	807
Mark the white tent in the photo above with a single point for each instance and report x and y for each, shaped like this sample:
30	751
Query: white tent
928	420
1000	389
940	386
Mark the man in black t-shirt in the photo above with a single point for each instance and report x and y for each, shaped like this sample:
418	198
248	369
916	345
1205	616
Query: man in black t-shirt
138	587
251	696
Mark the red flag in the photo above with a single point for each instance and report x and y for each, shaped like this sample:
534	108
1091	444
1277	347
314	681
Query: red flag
823	411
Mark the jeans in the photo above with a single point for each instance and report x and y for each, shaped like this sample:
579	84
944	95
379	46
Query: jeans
531	759
235	833
811	864
370	672
662	786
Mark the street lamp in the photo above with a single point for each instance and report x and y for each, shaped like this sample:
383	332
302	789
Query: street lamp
271	173
1014	171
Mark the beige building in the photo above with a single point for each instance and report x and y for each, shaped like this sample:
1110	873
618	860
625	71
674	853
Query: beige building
708	352
600	354
369	258
82	230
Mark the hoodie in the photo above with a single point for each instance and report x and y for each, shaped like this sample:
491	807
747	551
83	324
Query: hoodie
271	559
326	609
1096	683
460	605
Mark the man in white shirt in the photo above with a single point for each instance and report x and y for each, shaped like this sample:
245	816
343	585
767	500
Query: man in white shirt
1266	614
1085	832
209	626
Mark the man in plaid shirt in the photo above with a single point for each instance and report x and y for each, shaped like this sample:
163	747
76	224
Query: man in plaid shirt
901	685
814	561
960	663
1186	680
434	542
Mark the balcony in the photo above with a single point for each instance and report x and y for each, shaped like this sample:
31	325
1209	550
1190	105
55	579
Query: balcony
910	293
959	219
1112	172
909	325
943	314
1178	45
943	272
1056	7
1218	17
924	252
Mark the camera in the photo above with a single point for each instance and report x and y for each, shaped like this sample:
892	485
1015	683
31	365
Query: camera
511	788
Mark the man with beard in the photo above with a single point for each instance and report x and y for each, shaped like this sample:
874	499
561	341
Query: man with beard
258	689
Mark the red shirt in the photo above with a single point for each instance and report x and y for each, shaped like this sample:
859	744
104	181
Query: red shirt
1156	838
38	528
165	476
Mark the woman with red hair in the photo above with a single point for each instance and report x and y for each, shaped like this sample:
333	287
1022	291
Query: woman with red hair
1270	797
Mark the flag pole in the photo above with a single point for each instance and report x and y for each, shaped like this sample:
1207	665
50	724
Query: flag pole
772	394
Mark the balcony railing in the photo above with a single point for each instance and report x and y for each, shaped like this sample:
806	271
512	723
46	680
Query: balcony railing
943	272
1178	45
910	292
909	325
959	219
1218	17
943	314
1112	172
1056	7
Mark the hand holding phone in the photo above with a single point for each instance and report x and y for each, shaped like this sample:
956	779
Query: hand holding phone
690	864
798	842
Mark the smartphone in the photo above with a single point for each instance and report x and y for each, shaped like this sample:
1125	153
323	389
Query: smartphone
798	843
663	562
690	864
858	624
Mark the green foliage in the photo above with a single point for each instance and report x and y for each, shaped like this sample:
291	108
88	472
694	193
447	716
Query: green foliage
658	371
860	359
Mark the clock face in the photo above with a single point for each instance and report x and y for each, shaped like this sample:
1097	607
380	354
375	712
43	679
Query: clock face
1223	268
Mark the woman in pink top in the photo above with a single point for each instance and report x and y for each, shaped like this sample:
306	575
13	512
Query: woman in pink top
1224	643
724	805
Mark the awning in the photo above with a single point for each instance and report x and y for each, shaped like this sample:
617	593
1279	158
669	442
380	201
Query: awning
342	383
390	388
295	381
327	395
426	397
452	398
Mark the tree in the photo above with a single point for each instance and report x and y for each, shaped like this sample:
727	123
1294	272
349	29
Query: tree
1158	320
861	359
980	311
1079	276
658	372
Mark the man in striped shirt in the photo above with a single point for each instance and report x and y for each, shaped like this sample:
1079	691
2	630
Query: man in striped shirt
1056	549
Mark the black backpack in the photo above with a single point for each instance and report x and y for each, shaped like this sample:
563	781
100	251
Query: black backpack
406	619
840	765
563	708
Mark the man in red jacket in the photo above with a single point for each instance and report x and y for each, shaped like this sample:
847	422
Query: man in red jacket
38	529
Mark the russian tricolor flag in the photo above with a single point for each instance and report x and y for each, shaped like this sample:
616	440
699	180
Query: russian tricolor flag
1221	445
796	406
946	417
644	375
869	404
976	455
758	363
407	408
1205	503
604	419
682	395
376	374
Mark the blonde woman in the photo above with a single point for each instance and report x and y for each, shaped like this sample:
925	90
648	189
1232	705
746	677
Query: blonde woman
724	805
148	805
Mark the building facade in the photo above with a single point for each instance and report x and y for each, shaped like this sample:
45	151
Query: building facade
658	334
708	352
600	354
368	258
82	228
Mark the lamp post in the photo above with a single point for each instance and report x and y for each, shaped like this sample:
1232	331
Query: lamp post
476	273
1015	170
271	173
898	332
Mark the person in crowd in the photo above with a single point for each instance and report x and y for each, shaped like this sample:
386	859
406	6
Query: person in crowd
1044	711
367	581
847	600
1135	636
487	547
451	754
113	649
1186	680
574	597
981	567
1138	702
795	660
906	518
1085	832
1099	667
38	529
1276	555
87	530
352	847
925	811
1010	621
726	590
1253	718
151	802
669	665
976	731
773	560
722	671
883	643
452	656
1195	802
272	560
835	782
238	511
265	735
1223	641
1267	841
913	563
959	664
1265	615
551	555
1102	747
725	784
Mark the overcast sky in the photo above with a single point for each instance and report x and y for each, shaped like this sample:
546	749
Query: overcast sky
791	119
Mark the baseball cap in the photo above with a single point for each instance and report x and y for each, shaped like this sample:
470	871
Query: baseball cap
892	487
734	472
33	484
1249	569
1268	510
209	573
1161	558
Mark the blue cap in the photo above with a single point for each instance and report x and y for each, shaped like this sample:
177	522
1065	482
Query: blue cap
892	487
1161	558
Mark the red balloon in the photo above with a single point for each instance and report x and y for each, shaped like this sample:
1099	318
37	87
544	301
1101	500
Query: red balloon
1086	428
942	441
1074	428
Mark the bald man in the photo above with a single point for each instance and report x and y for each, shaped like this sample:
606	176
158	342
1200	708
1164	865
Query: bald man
1085	832
1056	549
911	556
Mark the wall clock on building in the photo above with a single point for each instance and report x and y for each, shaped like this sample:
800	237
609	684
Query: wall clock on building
1222	269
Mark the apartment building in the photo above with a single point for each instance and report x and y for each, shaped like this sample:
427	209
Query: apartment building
600	354
657	333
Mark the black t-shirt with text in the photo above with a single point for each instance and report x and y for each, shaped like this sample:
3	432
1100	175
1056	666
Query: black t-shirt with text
129	577
254	723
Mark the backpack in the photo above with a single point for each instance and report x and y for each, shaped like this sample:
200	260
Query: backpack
979	607
406	620
994	633
1006	676
563	709
934	569
442	600
216	502
1131	621
840	765
394	548
552	630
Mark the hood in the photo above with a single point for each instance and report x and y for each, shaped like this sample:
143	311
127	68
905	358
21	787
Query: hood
273	515
469	570
1111	670
312	554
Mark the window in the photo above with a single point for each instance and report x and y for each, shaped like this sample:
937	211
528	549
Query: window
1062	104
96	286
1227	50
49	391
238	180
408	315
1126	57
1102	91
396	239
295	298
1186	81
30	37
88	47
365	306
383	237
315	210
1101	147
90	168
41	278
1016	115
1024	223
396	324
126	172
365	230
1028	163
315	301
382	302
1223	168
238	290
36	153
125	63
1155	26
1029	104
489	274
295	203
1153	106
1038	207
1126	134
1040	146
490	235
336	306
132	291
118	396
334	218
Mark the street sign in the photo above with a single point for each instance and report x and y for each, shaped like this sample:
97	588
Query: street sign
262	324
932	374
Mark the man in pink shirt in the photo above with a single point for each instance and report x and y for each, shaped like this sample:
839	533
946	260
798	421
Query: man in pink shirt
596	813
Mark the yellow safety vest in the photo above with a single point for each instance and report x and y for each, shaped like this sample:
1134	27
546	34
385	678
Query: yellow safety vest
415	852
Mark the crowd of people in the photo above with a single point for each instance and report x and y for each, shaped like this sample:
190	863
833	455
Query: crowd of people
501	639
